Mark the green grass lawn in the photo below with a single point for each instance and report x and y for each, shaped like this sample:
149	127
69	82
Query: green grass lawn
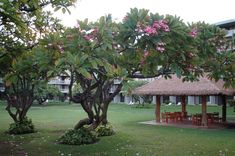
131	138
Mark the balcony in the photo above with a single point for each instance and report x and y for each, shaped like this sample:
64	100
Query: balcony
2	89
66	90
230	33
59	82
117	81
112	89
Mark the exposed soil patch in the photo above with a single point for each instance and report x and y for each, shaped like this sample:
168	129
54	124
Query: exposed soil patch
11	149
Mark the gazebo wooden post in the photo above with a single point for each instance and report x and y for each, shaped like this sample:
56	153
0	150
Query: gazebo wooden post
158	107
204	116
224	108
183	106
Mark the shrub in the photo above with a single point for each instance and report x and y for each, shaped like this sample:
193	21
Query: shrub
22	127
78	137
105	130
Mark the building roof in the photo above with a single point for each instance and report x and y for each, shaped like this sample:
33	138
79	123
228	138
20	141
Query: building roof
175	86
226	24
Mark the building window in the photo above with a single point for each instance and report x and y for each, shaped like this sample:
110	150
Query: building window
122	98
63	86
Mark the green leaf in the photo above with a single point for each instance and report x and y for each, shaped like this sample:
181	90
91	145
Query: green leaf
57	8
50	73
63	10
85	73
94	64
99	62
83	58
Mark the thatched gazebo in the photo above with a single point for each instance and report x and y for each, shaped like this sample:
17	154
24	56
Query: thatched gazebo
176	87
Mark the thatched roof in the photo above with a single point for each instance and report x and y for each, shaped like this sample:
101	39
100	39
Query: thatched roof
175	86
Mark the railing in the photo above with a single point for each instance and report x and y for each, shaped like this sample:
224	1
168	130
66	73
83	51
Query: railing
59	81
2	89
117	81
64	90
112	89
230	33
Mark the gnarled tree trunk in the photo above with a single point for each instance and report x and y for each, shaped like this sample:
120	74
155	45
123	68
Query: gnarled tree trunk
96	104
19	99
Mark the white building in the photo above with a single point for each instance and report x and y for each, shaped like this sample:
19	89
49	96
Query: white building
124	97
2	88
62	83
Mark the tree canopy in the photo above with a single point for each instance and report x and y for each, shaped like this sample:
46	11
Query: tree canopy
35	47
23	62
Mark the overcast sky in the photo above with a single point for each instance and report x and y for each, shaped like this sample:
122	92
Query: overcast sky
210	11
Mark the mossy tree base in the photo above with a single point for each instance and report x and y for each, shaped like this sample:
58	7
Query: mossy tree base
79	137
21	127
105	130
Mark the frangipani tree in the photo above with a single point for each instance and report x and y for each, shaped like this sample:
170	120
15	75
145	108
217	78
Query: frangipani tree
22	25
156	45
89	55
214	52
26	73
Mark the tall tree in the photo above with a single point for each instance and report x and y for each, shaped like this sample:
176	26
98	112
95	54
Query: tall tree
26	73
214	52
87	52
22	25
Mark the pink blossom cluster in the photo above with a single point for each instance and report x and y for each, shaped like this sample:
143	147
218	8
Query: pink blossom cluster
146	54
160	47
88	37
150	30
91	34
190	54
142	61
161	25
139	27
61	49
193	33
157	26
190	67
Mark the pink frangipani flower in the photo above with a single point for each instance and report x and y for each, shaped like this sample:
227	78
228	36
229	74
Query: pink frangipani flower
142	61
150	30
193	33
160	47
161	25
88	37
146	53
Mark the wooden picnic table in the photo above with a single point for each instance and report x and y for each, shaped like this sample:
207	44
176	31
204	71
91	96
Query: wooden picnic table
172	116
211	118
196	118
